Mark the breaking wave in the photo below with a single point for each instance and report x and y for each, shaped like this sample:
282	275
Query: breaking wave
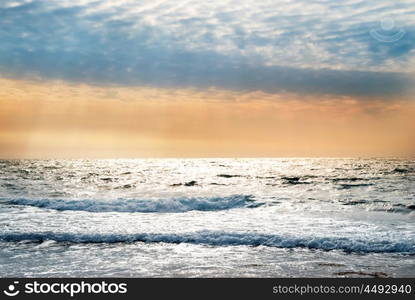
214	238
182	204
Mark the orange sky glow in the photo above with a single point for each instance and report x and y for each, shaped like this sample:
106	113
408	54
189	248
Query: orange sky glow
55	119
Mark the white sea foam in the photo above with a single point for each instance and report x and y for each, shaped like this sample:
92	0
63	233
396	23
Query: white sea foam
349	245
182	204
178	217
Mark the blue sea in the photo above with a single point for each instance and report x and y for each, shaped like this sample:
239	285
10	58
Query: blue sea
207	218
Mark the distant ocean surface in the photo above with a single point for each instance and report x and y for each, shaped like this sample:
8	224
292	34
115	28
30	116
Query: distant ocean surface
207	218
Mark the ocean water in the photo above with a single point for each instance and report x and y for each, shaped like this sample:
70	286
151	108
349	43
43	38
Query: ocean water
208	218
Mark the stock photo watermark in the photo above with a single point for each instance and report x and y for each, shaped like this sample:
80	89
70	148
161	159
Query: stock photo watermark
70	289
388	31
12	290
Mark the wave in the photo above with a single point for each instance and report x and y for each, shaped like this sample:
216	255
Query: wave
337	179
215	238
382	206
189	183
172	205
396	208
346	186
229	175
404	170
297	179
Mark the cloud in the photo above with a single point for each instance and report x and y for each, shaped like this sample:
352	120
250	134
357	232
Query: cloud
296	46
55	118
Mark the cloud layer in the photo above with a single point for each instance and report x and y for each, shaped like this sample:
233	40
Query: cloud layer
57	119
320	47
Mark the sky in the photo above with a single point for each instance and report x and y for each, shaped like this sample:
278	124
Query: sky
187	78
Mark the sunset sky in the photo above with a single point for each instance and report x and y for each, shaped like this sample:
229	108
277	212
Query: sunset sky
247	78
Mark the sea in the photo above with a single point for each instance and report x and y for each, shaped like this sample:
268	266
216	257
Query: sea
257	217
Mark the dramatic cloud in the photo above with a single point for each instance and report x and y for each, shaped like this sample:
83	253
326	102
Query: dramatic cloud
320	47
57	119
